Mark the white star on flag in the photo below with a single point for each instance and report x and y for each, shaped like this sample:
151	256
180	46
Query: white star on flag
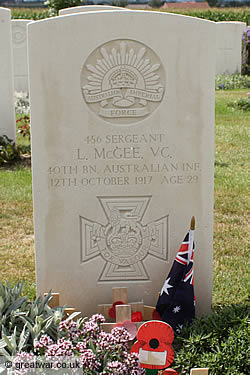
176	309
166	286
179	328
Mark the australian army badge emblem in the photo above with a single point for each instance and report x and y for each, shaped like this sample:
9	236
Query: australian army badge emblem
123	79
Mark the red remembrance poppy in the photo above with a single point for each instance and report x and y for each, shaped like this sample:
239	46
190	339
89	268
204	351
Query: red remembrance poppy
112	313
154	339
136	316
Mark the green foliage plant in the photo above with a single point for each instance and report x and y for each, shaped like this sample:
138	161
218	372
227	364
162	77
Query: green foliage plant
241	103
55	5
219	342
23	130
156	3
212	3
231	82
119	3
22	108
8	150
30	13
96	351
23	126
22	321
245	56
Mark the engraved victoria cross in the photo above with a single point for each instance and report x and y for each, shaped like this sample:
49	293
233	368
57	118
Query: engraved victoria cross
123	241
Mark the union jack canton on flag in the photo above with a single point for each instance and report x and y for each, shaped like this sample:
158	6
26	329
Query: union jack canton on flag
176	303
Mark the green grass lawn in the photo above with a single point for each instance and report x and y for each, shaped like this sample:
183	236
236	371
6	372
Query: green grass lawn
16	228
230	210
230	200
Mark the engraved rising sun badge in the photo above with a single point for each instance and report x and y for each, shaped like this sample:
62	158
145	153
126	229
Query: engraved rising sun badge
124	241
123	79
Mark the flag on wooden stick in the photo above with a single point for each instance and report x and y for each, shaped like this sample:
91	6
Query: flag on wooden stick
176	303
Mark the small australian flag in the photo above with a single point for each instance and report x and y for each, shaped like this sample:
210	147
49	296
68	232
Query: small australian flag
176	303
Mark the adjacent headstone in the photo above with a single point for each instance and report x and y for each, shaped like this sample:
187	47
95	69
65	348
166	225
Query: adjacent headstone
122	152
20	59
87	8
7	114
229	46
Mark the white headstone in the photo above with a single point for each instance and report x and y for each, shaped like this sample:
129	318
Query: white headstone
7	114
87	8
20	59
229	46
122	146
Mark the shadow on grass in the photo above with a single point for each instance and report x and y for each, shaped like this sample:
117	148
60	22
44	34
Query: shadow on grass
23	161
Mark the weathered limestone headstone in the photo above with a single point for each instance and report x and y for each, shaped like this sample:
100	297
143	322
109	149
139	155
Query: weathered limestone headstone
7	116
87	8
20	59
228	47
122	145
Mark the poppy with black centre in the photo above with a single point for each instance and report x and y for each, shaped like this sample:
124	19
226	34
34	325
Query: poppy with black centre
154	345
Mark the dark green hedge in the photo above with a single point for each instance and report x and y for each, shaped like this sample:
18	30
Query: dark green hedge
29	13
214	14
219	15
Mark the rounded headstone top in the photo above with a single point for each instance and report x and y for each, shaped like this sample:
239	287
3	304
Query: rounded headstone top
5	13
87	8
